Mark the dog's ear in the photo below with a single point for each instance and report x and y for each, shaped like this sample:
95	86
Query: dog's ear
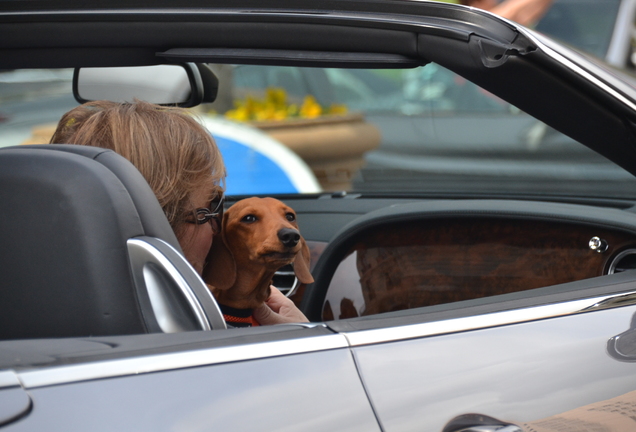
301	264
220	272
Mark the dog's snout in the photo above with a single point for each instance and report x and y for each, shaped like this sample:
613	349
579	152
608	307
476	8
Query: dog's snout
289	237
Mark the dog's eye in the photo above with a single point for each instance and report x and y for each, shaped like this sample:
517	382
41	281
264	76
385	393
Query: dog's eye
249	218
290	217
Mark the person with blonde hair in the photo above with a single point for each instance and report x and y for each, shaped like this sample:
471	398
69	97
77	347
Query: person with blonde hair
183	166
177	157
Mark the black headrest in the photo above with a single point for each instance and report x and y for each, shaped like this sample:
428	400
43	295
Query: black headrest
152	217
64	222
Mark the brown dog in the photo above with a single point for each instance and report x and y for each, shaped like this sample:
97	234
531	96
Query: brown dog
258	237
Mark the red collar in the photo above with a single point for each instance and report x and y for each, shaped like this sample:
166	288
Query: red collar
241	321
238	317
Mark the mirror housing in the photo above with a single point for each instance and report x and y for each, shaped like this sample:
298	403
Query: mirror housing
184	85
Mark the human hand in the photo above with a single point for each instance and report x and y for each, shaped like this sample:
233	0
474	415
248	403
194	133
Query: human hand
278	309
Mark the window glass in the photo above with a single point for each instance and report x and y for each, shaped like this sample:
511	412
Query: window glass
31	102
416	131
431	131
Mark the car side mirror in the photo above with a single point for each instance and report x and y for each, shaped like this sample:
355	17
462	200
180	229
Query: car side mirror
184	85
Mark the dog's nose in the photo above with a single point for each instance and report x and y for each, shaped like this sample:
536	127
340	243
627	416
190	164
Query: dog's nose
289	237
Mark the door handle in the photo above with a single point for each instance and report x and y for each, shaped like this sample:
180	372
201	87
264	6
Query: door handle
479	423
492	428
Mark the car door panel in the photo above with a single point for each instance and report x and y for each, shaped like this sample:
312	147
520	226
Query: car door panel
311	392
519	373
14	401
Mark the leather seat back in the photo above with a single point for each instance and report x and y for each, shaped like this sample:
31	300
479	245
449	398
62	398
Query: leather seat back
69	218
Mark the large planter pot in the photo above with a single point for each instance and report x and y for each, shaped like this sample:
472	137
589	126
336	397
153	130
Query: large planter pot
41	134
332	146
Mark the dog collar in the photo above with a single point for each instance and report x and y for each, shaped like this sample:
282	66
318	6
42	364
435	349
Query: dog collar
238	317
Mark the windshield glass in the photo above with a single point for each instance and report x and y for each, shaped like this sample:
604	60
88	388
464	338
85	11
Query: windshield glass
422	131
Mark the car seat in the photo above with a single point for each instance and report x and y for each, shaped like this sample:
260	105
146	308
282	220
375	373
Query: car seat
86	250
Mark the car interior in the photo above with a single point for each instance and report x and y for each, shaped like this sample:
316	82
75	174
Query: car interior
379	259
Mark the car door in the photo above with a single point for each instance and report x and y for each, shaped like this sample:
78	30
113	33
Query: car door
283	378
558	361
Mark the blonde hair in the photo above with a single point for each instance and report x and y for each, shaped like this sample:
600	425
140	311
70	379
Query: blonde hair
174	153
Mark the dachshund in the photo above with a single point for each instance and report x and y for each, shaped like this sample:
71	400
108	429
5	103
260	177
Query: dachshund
258	237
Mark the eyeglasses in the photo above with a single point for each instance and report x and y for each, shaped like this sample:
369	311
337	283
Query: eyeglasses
203	215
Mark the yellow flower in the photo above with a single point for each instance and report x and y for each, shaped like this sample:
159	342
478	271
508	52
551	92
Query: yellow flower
280	114
237	114
310	108
337	109
276	96
292	110
274	107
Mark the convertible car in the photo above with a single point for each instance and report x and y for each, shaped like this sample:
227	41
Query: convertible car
473	237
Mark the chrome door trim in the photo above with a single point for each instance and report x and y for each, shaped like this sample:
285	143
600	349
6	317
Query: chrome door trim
147	250
48	376
478	322
141	253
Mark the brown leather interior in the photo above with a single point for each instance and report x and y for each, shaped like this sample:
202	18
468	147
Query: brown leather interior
423	263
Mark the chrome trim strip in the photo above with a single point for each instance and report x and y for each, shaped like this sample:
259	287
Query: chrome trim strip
55	375
515	316
164	362
140	253
626	299
617	258
199	289
293	288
